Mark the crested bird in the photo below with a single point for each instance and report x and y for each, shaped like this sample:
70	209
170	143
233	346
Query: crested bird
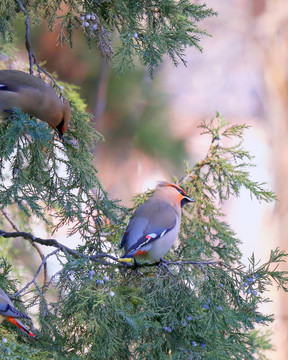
9	313
155	224
35	98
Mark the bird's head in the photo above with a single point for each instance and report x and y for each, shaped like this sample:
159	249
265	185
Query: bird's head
175	192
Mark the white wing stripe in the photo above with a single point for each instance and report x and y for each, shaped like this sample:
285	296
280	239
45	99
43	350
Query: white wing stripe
153	235
163	233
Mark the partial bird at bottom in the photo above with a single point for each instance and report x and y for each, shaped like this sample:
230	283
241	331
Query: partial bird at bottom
9	313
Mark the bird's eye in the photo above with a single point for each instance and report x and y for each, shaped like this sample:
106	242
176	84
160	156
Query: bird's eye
180	191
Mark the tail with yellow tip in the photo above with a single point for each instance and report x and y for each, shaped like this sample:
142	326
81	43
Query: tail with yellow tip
128	260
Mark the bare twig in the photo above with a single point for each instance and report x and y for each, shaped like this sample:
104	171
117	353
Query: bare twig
100	256
56	244
54	275
32	57
11	222
185	262
195	262
36	247
33	281
27	37
41	69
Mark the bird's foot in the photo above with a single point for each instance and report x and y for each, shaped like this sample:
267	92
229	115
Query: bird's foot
136	265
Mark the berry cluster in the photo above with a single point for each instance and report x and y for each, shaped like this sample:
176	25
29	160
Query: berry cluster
106	279
248	284
89	21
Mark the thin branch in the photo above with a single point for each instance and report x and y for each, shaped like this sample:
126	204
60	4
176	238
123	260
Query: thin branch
36	247
27	36
41	69
184	262
33	281
11	222
54	276
100	256
32	57
195	262
56	244
28	43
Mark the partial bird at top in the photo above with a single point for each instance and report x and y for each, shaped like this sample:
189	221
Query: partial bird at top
155	225
9	313
34	97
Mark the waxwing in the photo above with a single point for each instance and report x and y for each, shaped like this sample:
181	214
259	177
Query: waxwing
155	225
9	313
34	97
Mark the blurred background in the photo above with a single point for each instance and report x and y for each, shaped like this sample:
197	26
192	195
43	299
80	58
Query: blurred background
151	126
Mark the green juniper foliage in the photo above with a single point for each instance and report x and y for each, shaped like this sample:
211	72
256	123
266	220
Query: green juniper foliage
202	304
39	173
148	30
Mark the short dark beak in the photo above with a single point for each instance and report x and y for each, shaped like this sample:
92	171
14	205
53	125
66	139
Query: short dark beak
59	129
186	199
60	134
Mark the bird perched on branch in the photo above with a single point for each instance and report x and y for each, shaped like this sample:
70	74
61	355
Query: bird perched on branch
9	313
34	97
155	224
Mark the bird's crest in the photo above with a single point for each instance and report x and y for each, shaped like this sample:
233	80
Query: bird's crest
177	187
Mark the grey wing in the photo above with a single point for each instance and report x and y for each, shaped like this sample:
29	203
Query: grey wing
7	308
133	231
146	220
161	216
